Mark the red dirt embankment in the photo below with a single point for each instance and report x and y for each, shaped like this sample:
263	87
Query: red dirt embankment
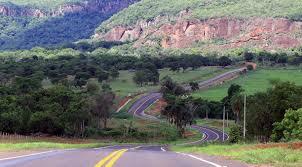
294	145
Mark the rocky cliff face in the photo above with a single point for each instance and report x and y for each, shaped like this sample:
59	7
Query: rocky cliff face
13	10
100	6
266	33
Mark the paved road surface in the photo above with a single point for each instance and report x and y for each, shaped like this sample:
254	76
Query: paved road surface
211	134
138	108
128	156
216	80
117	156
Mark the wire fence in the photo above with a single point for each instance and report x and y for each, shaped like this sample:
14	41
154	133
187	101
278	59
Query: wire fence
7	136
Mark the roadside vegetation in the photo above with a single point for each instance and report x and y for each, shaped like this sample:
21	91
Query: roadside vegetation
277	155
75	92
42	145
216	123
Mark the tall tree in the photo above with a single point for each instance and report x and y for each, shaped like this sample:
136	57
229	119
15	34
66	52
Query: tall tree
102	107
180	112
237	105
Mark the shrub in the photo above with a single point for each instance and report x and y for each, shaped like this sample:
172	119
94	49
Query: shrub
250	67
290	127
235	134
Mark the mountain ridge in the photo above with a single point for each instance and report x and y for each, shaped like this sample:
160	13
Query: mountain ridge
215	24
26	26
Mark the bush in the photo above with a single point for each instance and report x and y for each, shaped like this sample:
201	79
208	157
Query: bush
290	127
236	134
121	115
250	67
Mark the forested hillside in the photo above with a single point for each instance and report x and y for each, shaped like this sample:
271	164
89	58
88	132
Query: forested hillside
48	4
26	24
204	9
207	24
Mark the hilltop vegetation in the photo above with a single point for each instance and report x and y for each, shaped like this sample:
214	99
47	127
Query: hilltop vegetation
28	32
204	9
26	24
46	4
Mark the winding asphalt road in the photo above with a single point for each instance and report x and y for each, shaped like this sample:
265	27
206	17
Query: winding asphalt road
128	155
210	134
138	108
117	156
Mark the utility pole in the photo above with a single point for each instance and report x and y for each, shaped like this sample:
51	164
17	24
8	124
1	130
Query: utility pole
227	113
223	123
244	117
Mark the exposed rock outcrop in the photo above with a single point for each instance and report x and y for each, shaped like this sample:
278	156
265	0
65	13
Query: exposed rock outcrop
13	10
98	6
266	33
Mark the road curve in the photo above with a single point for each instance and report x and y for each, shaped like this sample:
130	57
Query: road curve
210	134
138	108
127	155
116	156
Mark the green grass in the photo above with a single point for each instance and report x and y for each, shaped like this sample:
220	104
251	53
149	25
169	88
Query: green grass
255	81
215	123
125	85
275	156
38	145
203	9
40	3
129	104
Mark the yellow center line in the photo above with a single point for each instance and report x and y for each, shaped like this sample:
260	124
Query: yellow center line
104	160
115	158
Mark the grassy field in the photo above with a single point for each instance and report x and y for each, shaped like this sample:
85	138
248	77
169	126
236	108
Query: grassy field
203	9
38	145
255	81
125	85
278	155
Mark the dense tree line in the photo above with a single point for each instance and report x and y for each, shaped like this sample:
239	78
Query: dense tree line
268	58
267	108
58	110
78	69
271	115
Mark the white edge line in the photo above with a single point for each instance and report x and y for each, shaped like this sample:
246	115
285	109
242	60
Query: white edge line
134	148
214	133
200	159
123	105
98	148
225	134
143	104
22	156
162	149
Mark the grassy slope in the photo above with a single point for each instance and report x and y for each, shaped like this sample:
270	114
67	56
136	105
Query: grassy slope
152	132
255	81
216	123
40	3
38	145
251	154
125	85
202	9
